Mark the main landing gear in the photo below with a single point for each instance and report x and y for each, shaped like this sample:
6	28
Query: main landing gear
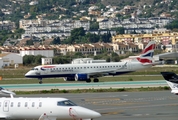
40	80
94	80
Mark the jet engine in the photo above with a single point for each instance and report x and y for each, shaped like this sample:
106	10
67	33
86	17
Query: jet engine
81	77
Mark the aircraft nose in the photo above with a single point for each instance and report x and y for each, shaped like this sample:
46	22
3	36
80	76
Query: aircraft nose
87	113
30	74
27	74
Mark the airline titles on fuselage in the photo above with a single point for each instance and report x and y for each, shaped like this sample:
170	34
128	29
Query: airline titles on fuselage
71	69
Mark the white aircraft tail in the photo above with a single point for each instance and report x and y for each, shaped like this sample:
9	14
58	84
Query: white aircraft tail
172	80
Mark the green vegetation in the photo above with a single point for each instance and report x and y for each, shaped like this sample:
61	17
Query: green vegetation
94	90
78	35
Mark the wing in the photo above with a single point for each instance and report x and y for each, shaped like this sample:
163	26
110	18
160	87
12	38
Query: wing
104	72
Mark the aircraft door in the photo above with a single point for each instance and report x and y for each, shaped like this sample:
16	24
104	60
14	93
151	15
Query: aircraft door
73	113
6	105
129	66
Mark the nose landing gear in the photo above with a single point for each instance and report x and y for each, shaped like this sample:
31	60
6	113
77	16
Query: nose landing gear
40	80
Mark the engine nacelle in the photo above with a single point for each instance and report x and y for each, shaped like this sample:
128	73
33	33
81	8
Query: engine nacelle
69	79
81	77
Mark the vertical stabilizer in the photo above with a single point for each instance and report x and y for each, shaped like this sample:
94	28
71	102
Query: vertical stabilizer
147	54
172	80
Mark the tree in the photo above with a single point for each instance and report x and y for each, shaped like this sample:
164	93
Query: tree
37	59
29	42
56	41
92	38
28	59
94	26
76	34
106	37
120	30
172	25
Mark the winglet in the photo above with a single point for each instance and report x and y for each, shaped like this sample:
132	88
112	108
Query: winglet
172	80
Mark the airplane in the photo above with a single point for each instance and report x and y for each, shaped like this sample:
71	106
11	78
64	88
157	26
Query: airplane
172	80
5	93
86	71
44	109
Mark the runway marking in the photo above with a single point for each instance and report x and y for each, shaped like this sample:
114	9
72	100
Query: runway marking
113	113
132	107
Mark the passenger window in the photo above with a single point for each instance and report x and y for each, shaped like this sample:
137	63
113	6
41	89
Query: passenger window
5	104
40	104
18	105
12	104
33	104
26	104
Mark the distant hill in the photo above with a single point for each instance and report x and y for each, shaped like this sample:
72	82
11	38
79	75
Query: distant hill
128	2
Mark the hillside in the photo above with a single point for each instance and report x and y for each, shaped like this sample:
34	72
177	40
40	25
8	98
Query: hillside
128	2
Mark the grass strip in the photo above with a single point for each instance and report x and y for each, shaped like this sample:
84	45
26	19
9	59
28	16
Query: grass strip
94	90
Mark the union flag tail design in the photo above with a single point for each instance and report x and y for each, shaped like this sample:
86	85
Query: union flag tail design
147	54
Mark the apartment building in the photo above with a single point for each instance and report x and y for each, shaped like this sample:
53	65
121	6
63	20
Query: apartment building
7	25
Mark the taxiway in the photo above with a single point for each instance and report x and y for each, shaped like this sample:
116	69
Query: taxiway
155	105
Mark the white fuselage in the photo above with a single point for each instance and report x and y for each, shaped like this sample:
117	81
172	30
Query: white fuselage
67	70
33	108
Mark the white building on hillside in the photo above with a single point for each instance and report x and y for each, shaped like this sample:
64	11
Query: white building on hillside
46	61
35	52
7	59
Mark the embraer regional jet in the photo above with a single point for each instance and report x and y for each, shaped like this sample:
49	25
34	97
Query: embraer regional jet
172	80
86	71
44	109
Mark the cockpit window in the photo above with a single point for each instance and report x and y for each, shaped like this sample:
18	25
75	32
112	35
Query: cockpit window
34	69
66	103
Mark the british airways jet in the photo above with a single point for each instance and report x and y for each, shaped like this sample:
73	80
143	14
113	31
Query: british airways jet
86	71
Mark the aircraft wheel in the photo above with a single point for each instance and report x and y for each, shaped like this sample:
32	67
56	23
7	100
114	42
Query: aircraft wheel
88	80
40	82
95	80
